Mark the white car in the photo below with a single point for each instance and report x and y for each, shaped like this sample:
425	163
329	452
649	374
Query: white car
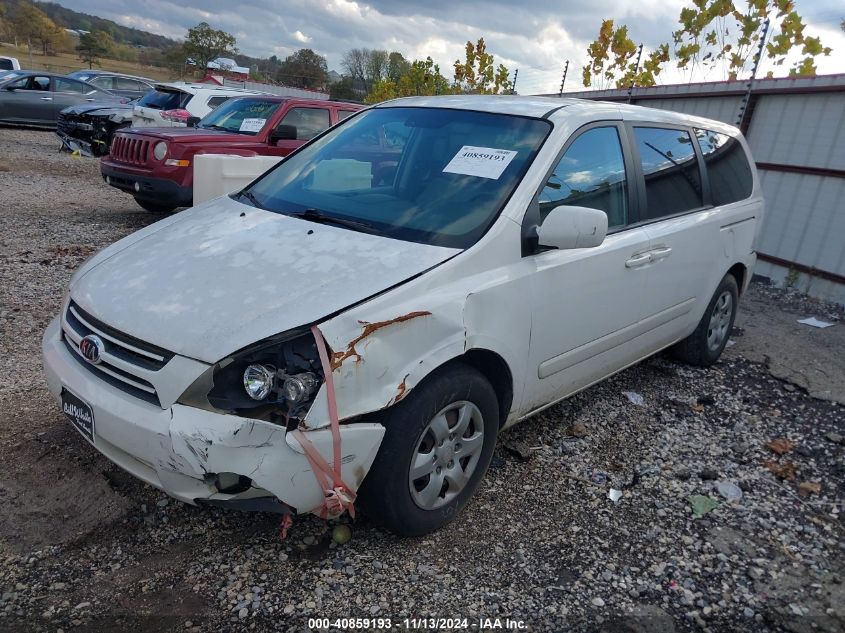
172	104
366	316
9	63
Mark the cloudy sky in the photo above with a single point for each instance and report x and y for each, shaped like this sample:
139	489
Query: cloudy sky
535	36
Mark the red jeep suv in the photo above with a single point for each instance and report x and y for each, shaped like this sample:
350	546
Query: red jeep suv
155	165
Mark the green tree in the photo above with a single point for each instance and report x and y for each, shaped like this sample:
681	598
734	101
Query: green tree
612	60
93	46
343	89
304	69
397	66
204	44
477	73
718	34
422	77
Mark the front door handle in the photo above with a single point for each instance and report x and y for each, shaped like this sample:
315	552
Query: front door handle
659	253
46	98
638	260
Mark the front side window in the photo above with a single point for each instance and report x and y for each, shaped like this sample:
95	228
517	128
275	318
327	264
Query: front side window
125	83
727	167
342	114
590	174
440	177
247	115
309	122
32	82
670	167
103	82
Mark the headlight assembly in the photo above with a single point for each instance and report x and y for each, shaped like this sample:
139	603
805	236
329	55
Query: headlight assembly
273	380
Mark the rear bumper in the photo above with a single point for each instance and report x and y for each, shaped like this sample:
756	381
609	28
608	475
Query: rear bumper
145	187
181	449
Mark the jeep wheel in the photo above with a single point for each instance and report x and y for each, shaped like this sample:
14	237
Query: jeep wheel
155	207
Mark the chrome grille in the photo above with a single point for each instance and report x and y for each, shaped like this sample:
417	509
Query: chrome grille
126	363
128	149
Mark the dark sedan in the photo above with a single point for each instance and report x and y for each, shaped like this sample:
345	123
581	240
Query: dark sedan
116	83
36	98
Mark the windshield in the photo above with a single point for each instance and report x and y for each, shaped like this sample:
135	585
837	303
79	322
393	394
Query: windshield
159	99
428	175
246	115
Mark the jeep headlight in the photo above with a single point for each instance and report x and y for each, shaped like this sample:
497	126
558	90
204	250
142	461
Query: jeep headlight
160	150
273	380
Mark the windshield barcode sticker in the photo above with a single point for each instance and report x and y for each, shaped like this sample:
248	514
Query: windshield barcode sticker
252	125
484	162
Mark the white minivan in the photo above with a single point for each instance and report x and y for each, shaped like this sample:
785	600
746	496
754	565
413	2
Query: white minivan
364	318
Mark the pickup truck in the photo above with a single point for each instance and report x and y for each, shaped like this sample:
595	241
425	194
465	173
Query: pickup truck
155	165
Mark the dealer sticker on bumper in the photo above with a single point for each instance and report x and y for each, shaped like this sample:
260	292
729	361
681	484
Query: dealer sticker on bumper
79	413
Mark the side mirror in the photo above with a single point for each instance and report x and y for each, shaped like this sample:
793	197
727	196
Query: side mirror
573	227
284	133
11	88
192	121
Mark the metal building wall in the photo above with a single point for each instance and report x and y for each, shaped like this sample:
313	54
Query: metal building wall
796	131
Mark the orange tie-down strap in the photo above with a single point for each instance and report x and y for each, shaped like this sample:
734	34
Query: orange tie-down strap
337	495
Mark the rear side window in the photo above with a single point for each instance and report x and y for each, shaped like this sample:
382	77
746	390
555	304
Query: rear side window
590	174
71	85
6	64
216	101
670	167
727	167
309	122
165	99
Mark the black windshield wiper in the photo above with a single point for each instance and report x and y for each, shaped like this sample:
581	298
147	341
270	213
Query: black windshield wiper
315	215
213	126
250	198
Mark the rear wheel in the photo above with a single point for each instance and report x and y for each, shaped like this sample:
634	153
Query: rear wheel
438	444
155	207
704	346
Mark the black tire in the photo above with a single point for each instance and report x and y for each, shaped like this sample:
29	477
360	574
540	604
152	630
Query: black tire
385	495
698	348
155	207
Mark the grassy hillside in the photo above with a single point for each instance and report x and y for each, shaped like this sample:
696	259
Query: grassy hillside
68	62
121	34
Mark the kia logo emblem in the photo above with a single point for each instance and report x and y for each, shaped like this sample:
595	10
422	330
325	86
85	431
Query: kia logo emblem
91	347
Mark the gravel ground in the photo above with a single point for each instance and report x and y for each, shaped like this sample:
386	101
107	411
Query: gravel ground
84	547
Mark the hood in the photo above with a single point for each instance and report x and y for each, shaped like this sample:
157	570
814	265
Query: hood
88	108
225	275
177	134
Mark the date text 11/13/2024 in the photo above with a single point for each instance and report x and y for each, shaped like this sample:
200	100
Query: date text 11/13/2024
431	624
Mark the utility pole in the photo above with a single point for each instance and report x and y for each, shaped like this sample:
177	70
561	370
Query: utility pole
563	80
743	105
513	85
636	70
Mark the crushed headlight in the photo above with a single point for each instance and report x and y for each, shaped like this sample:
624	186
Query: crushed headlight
273	380
259	381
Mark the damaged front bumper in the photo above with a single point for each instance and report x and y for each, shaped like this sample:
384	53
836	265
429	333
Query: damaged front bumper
183	450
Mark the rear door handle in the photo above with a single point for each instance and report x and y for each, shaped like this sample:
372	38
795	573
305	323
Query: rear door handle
46	98
638	260
659	253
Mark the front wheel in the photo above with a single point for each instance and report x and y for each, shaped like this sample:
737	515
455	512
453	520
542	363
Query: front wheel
705	345
155	207
438	444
